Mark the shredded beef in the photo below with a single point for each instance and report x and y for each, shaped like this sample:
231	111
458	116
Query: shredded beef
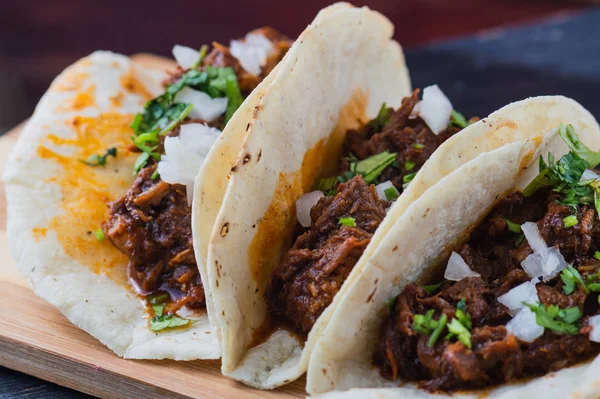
496	356
315	268
407	136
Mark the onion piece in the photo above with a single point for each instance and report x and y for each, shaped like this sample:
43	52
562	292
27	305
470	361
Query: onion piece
205	107
184	154
304	204
415	111
186	57
524	327
533	236
594	322
252	52
381	187
174	293
435	109
545	264
458	269
588	175
514	298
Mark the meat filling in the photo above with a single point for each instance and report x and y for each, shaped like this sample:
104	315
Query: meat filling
323	256
151	223
495	355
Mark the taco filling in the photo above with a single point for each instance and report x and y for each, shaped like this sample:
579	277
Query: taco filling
518	299
151	223
338	220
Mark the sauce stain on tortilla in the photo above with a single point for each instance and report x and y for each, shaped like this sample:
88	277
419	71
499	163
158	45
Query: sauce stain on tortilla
132	85
275	230
39	233
73	81
85	190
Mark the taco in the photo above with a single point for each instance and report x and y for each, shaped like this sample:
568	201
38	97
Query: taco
489	280
308	196
112	249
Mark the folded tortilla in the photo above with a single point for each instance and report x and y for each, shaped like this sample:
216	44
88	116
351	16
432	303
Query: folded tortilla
56	205
421	238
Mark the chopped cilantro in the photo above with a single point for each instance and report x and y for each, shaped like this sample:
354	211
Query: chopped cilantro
570	137
418	146
159	323
570	277
597	255
328	186
391	194
391	302
594	287
140	162
570	221
382	118
441	323
519	240
461	332
158	310
407	179
409	165
513	227
372	167
461	314
561	321
347	221
100	160
433	288
203	51
158	298
458	119
100	235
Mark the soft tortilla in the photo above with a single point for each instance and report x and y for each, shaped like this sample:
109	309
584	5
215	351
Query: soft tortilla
436	223
336	75
55	203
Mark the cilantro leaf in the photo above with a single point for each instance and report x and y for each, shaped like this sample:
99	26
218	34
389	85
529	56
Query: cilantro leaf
100	160
570	221
570	137
461	332
407	179
328	186
571	277
561	321
159	323
513	227
140	162
409	165
158	310
347	221
458	119
382	118
100	235
372	167
433	288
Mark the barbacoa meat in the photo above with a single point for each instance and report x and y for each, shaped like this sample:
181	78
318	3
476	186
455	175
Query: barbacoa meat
407	136
315	268
496	356
151	223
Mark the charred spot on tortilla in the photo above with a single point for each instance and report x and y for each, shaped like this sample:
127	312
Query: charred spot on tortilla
259	155
224	230
520	297
247	158
336	226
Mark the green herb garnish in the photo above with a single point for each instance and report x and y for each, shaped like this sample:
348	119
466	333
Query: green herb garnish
458	119
570	137
158	310
100	235
382	118
159	323
570	221
407	179
372	167
597	255
347	221
409	165
561	321
438	330
391	194
418	146
328	186
513	227
427	326
100	160
433	288
461	332
519	240
570	277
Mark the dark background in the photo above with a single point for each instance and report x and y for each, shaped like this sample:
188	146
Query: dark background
39	38
528	48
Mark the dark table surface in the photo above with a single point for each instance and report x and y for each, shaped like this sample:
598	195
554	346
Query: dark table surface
479	74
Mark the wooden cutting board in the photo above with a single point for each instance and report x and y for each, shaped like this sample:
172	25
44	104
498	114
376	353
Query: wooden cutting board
37	339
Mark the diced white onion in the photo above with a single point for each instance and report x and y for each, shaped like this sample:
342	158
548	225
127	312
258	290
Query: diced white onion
533	236
381	187
514	298
458	269
435	109
588	175
545	264
524	327
185	56
595	323
252	52
205	107
415	111
184	154
304	204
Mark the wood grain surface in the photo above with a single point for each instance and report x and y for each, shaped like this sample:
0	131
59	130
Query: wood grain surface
38	340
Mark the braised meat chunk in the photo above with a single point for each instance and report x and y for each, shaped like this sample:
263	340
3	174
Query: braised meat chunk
315	268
